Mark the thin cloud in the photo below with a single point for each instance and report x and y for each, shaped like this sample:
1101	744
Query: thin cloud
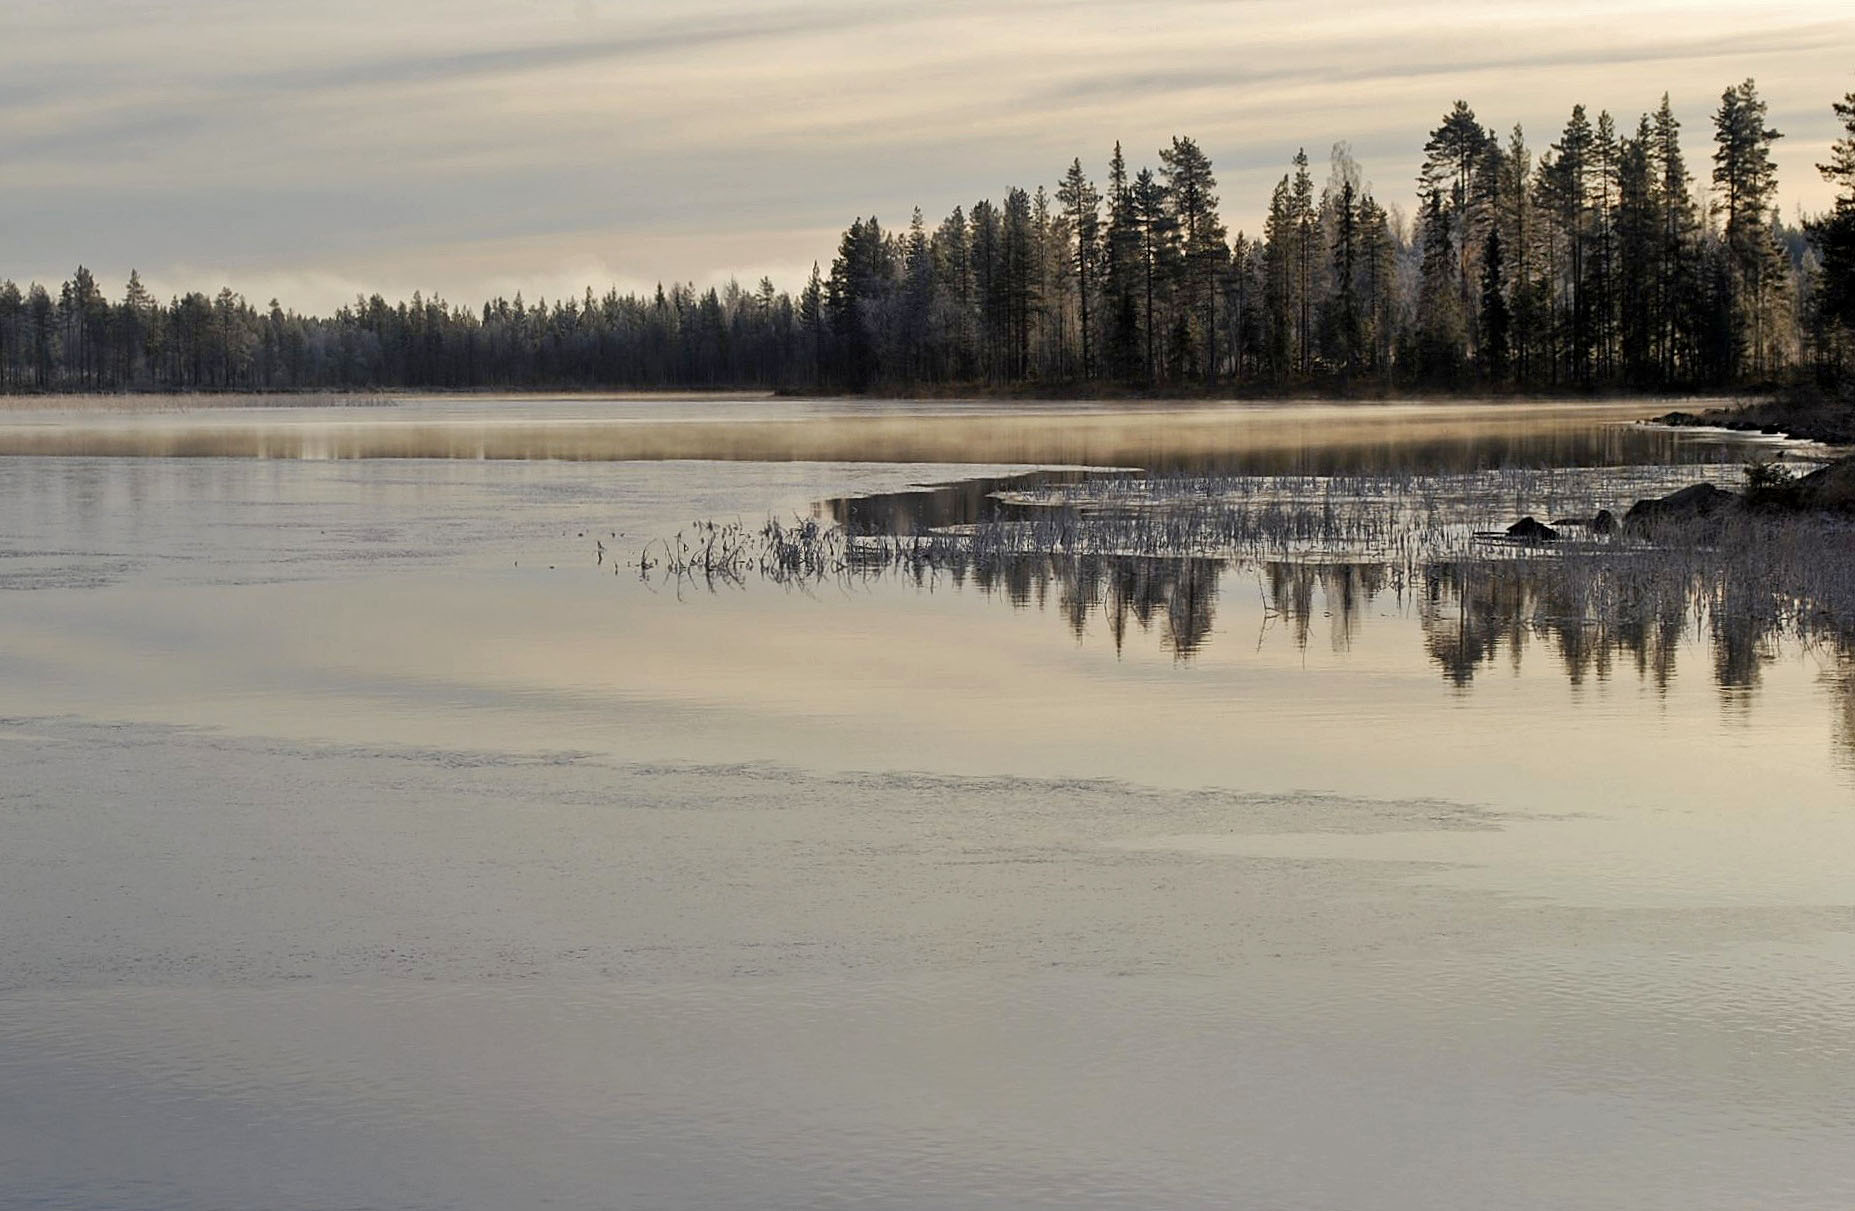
462	65
1148	84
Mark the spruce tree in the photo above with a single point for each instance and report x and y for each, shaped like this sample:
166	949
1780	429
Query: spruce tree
1157	235
1678	278
1082	204
1439	305
1379	261
1834	234
1280	236
955	326
1121	276
1494	352
1345	324
1604	152
1636	245
1018	284
1569	198
1306	229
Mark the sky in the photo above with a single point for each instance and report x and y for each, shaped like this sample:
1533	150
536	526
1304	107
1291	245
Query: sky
469	148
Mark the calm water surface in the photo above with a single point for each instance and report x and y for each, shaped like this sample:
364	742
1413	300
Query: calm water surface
372	839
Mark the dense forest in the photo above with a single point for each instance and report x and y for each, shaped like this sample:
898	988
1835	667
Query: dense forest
1596	263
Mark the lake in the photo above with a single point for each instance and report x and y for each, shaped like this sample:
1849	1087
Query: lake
377	833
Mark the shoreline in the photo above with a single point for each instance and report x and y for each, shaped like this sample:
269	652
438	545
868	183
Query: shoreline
1801	413
1701	408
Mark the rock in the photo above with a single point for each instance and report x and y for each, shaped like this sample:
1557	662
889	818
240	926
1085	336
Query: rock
1696	503
1831	488
1604	523
1676	418
1528	530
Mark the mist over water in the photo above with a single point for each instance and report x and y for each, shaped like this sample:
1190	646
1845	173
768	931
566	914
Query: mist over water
1274	438
377	835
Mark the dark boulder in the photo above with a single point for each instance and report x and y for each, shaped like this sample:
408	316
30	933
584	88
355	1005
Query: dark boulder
1529	530
1699	502
1604	523
1828	489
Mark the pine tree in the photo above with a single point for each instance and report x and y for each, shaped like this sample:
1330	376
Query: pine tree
1519	227
1189	186
1746	181
1453	158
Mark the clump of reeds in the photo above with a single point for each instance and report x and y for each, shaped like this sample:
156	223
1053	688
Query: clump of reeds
729	551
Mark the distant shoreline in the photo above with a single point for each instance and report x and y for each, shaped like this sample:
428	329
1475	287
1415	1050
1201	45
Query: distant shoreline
1725	408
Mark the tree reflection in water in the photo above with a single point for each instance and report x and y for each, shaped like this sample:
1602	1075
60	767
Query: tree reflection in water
1593	615
1179	595
1111	550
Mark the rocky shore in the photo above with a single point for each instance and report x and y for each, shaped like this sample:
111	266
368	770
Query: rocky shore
1807	413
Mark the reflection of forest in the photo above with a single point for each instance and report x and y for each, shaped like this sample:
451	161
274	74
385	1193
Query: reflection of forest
1180	595
1473	614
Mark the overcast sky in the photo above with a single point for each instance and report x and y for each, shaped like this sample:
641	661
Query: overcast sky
470	147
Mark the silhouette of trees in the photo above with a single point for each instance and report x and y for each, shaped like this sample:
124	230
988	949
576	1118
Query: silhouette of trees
1591	267
1834	236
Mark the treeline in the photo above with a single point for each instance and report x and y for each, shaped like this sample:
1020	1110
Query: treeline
1597	263
80	341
